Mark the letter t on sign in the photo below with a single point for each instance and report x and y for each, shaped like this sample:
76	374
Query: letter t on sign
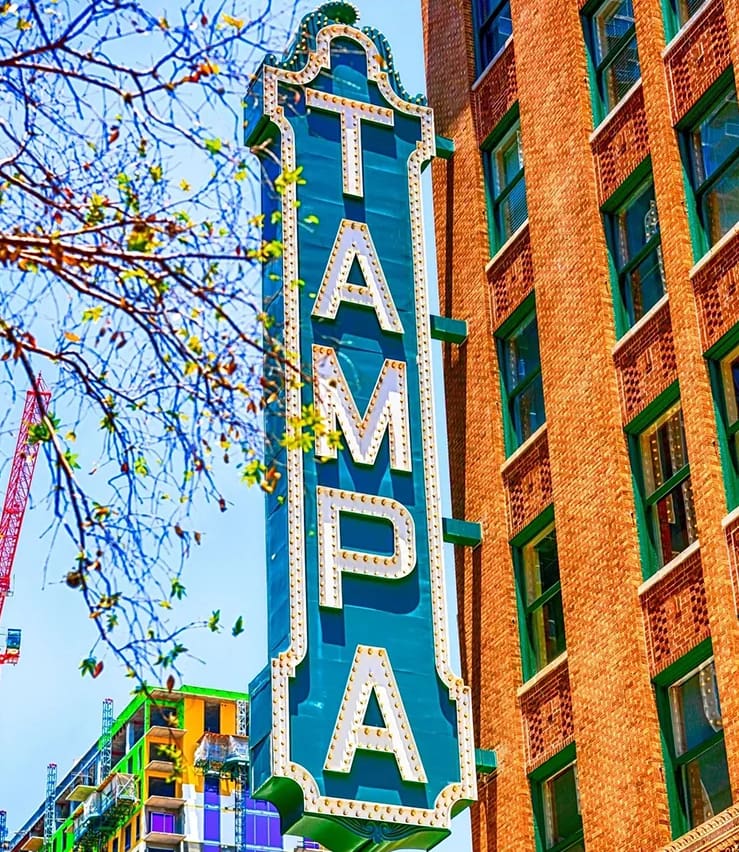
352	113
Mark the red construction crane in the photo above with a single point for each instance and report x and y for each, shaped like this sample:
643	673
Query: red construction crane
16	499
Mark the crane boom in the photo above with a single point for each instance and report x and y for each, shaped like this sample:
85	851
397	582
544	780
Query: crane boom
16	497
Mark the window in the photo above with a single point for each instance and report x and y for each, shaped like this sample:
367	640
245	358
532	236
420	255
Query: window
633	238
728	380
700	775
521	369
557	810
213	717
504	165
127	838
612	42
668	494
682	11
543	632
713	150
162	787
494	28
163	822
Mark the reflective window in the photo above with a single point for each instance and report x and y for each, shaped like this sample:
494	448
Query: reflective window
668	493
714	153
508	186
702	774
633	236
542	601
494	28
614	52
521	367
560	806
685	9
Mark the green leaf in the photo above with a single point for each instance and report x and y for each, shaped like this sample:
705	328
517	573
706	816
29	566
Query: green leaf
238	626
178	590
214	622
213	146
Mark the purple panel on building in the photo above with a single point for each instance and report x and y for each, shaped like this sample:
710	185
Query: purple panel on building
212	813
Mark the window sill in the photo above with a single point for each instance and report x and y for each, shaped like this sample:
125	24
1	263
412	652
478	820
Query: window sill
669	567
715	249
608	119
686	28
506	245
639	324
520	451
730	518
486	70
532	682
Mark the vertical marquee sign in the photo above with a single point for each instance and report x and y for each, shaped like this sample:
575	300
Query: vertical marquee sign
360	734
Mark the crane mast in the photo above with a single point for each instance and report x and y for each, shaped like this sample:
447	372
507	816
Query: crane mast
16	500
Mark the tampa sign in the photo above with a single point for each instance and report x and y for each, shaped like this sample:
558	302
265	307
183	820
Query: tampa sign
360	732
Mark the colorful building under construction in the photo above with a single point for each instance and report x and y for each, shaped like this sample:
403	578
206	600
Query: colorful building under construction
169	774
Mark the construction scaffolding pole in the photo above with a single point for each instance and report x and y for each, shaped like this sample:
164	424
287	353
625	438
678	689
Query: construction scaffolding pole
106	741
50	809
242	729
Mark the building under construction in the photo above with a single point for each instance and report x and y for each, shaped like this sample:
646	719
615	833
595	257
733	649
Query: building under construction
169	773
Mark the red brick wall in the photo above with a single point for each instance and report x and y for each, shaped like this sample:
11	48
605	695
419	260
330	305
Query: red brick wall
617	639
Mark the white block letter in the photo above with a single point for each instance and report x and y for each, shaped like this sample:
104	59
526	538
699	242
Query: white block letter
352	113
354	242
371	672
333	559
387	410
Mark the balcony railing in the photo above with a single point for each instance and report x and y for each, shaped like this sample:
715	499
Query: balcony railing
105	811
225	754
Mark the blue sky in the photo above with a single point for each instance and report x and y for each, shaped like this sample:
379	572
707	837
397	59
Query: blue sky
48	713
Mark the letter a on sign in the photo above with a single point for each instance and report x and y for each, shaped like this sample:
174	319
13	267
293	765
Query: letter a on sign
353	242
356	753
371	674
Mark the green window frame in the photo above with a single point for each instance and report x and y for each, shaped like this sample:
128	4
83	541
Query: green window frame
539	595
633	238
710	148
689	712
661	470
613	57
556	804
723	368
506	182
521	381
493	27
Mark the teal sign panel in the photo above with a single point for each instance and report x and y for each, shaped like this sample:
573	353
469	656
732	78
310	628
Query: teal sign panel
360	733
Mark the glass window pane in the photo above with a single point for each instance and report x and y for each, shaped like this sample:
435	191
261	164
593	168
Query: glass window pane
611	23
687	8
527	410
547	632
696	712
717	137
494	32
730	375
705	782
663	449
541	566
636	225
721	203
674	518
522	350
620	75
644	285
508	161
513	211
561	806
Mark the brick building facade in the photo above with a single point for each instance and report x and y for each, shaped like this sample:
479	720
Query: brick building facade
587	231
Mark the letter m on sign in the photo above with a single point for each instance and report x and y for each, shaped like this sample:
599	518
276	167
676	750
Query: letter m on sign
360	731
